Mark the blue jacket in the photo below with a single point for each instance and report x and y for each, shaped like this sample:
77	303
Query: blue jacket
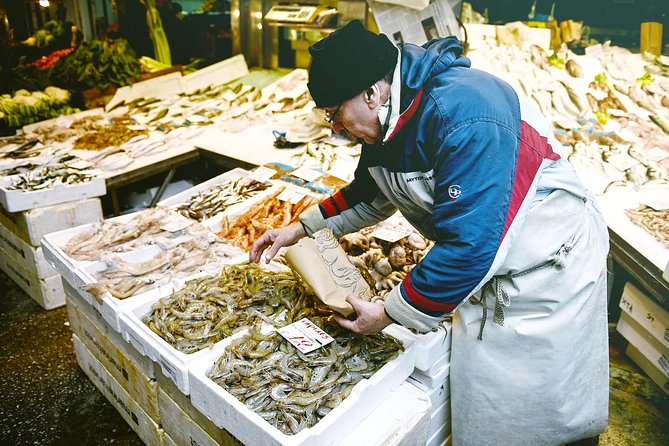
465	160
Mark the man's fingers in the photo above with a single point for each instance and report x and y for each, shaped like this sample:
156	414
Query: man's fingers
346	323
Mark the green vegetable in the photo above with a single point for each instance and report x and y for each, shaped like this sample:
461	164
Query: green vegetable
98	63
25	108
556	61
646	79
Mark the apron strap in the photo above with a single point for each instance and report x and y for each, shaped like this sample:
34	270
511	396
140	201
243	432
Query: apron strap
502	298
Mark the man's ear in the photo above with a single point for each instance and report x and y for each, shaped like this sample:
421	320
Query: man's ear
372	95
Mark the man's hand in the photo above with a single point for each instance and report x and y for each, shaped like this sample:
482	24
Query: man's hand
276	239
371	317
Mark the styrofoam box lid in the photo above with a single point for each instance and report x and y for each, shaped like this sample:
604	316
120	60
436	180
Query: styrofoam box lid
436	379
229	413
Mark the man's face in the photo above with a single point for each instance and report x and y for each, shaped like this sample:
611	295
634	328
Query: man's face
358	117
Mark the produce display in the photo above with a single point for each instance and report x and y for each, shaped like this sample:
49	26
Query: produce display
25	108
49	61
98	64
44	37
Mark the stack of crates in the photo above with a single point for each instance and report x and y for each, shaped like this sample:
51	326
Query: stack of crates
431	375
21	256
645	325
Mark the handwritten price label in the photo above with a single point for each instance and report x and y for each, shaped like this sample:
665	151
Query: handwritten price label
305	335
262	174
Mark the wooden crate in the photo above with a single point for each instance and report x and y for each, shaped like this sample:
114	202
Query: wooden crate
148	430
184	430
110	349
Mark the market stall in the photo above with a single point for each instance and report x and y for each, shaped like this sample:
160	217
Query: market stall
183	335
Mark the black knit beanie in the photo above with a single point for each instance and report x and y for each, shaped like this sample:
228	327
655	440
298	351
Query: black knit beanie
347	62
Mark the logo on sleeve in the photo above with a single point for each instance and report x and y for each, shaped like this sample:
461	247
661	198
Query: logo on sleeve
454	191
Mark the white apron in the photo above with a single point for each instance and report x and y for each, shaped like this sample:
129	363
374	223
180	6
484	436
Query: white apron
541	378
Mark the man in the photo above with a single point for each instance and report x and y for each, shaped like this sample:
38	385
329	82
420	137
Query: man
520	248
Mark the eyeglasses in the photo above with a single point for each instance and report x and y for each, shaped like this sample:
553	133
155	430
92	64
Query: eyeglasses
330	116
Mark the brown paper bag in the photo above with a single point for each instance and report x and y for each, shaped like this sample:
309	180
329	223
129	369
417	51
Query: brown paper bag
324	265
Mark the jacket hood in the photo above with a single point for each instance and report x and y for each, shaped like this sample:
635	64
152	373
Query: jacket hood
420	63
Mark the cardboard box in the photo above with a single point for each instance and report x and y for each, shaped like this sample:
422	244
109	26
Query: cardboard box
643	309
650	348
652	370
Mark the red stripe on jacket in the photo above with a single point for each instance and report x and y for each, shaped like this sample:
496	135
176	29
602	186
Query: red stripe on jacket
533	149
408	114
422	302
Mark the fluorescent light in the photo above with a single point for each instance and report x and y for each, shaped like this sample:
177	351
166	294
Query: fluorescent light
44	3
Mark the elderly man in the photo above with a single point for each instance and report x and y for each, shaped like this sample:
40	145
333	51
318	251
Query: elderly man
519	246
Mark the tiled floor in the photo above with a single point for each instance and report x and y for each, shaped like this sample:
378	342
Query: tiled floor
47	400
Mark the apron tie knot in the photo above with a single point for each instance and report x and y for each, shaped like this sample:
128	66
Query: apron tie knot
502	298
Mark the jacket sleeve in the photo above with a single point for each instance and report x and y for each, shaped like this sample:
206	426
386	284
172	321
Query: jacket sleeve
356	206
475	168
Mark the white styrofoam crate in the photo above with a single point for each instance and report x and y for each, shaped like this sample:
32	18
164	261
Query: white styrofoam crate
645	342
652	317
73	270
652	370
440	417
432	347
54	243
438	394
111	336
48	292
173	363
111	307
436	377
230	175
229	413
19	200
401	419
30	257
146	428
34	224
441	438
